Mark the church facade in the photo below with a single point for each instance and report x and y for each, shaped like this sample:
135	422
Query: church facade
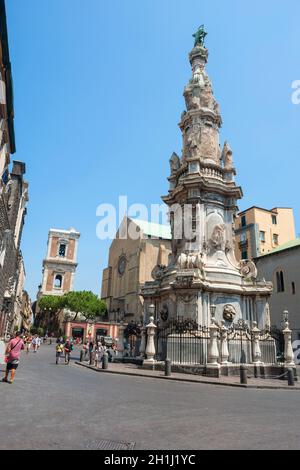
138	247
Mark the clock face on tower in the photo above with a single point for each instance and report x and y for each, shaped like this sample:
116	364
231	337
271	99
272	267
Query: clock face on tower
122	265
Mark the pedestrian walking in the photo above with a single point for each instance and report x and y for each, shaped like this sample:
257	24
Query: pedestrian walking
28	341
35	343
59	351
68	347
12	353
38	342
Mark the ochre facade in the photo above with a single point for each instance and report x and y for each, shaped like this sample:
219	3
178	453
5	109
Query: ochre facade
130	265
259	231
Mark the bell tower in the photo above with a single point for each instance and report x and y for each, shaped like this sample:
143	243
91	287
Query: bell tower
60	264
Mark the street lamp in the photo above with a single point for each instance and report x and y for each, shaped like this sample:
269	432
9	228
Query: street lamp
151	310
285	316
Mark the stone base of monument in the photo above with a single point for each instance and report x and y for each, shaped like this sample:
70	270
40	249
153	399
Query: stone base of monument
213	370
262	371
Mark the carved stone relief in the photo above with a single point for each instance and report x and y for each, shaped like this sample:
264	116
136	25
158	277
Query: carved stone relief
248	269
229	312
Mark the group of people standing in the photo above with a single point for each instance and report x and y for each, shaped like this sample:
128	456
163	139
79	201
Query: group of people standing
95	352
63	347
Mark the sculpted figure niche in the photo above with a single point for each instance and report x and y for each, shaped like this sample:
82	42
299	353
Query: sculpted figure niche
227	156
217	240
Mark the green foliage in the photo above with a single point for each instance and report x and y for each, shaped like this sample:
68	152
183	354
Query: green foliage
52	303
84	302
37	331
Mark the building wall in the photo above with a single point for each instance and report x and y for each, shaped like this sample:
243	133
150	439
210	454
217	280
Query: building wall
287	261
121	291
260	220
13	193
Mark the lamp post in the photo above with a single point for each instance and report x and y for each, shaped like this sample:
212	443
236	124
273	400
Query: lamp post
151	310
285	316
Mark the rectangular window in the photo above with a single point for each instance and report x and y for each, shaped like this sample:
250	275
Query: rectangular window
262	236
244	254
274	220
293	288
275	239
243	237
243	221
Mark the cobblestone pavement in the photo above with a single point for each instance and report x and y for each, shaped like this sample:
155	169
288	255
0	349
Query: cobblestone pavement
71	407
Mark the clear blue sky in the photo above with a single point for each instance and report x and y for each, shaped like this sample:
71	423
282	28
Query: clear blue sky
98	95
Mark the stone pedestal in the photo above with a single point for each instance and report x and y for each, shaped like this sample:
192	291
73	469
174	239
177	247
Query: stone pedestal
150	348
288	349
213	350
256	352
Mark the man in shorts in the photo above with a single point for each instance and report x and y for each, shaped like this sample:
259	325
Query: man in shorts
12	353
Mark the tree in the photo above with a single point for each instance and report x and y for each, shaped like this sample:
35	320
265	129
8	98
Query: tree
86	303
53	303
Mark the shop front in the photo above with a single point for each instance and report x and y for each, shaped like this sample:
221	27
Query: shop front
86	331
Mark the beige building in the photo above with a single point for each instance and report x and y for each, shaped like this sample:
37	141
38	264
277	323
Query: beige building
138	247
259	231
281	266
60	264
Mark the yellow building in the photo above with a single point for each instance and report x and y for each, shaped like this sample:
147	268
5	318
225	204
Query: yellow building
258	231
138	247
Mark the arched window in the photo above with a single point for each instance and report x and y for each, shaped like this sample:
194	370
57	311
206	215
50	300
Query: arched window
58	281
62	250
293	288
280	281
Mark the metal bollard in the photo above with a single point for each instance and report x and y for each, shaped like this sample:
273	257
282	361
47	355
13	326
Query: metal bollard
105	361
168	367
243	374
290	376
81	356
